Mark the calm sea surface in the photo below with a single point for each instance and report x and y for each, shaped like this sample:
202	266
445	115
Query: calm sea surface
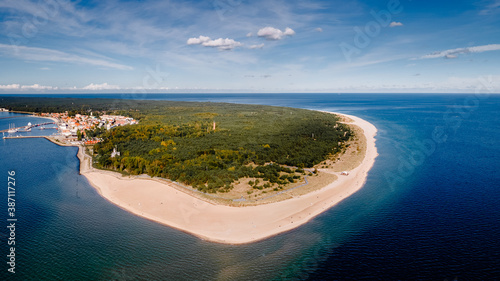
430	209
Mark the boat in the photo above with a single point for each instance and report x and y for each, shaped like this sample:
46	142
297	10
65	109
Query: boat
12	129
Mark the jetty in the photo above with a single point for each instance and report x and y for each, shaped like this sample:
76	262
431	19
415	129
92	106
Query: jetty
54	139
25	137
26	128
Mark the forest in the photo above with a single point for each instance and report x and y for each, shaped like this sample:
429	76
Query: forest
209	146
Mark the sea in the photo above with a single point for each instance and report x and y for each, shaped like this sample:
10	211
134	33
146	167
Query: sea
429	210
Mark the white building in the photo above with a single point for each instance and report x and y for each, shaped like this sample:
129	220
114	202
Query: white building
115	153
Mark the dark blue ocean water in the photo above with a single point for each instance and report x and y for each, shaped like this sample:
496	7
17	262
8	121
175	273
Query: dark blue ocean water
430	209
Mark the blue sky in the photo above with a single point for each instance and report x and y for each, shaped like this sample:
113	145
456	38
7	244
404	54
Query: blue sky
249	46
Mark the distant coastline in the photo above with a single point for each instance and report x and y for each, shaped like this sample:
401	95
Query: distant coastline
161	202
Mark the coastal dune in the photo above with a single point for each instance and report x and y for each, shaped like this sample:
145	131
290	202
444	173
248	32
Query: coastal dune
161	202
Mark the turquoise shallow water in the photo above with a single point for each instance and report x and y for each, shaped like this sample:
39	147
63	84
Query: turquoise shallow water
426	212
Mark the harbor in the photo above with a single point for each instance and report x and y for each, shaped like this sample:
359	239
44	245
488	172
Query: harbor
27	128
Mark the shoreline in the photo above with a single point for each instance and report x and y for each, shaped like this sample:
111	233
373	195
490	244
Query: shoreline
161	202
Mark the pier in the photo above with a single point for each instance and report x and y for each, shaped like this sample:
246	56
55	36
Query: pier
54	139
26	137
28	127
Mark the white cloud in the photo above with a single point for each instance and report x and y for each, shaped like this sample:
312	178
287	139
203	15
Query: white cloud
10	87
199	40
319	29
27	87
453	53
249	34
289	31
90	87
43	54
395	23
260	46
484	48
103	86
221	44
491	8
271	33
37	87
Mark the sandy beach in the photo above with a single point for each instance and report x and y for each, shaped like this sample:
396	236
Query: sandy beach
163	203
